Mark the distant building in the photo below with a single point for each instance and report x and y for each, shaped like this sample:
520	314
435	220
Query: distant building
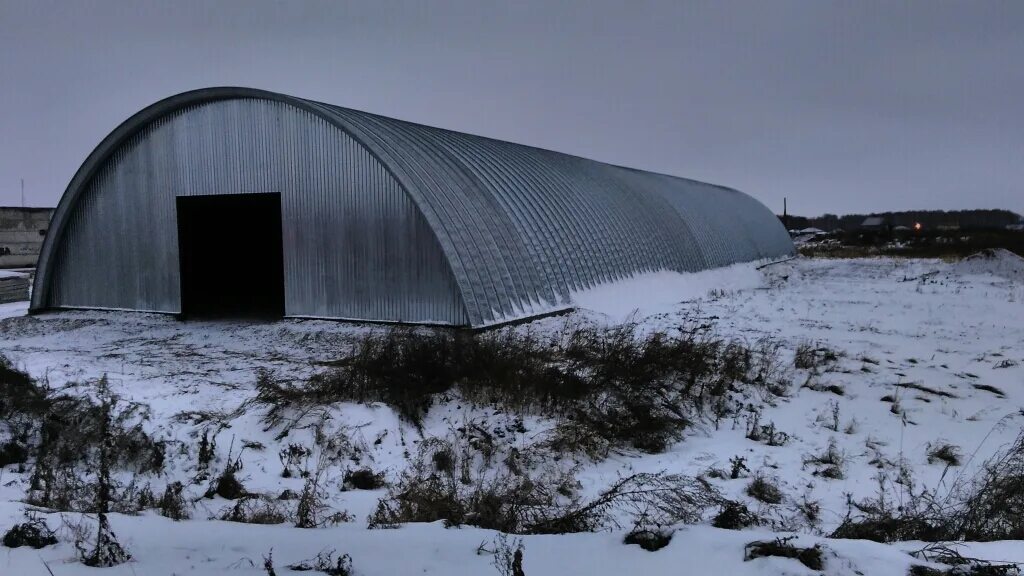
22	231
873	223
13	286
811	230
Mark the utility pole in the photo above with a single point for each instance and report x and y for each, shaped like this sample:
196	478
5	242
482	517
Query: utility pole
785	214
22	192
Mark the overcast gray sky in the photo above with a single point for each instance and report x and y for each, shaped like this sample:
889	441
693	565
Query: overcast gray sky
840	106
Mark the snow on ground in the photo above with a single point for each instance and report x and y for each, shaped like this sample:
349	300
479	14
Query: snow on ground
952	328
10	309
652	292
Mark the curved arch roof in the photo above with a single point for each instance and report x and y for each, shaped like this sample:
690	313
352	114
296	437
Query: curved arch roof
522	227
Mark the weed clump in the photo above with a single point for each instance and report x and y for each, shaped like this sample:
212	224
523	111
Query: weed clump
172	504
326	563
782	548
254	509
830	462
946	453
64	435
811	356
508	556
363	479
228	486
33	532
735	516
650	540
610	386
544	502
987	507
764	490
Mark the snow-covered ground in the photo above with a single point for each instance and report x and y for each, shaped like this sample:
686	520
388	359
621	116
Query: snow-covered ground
955	328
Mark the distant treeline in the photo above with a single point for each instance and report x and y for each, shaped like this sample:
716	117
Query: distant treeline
929	219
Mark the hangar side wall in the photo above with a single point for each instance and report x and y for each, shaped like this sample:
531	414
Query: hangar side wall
355	244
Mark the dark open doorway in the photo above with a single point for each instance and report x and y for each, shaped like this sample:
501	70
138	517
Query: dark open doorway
231	255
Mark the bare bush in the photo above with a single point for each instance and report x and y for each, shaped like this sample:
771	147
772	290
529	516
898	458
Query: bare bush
735	516
312	511
438	486
508	556
989	506
172	504
33	532
813	356
993	502
326	563
107	551
363	479
946	453
783	548
294	457
830	463
611	386
765	490
255	509
63	436
958	564
651	540
766	433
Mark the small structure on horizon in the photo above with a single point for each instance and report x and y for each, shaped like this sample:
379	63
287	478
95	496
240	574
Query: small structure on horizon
873	223
22	231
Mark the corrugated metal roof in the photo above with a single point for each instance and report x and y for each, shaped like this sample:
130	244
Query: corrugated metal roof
521	227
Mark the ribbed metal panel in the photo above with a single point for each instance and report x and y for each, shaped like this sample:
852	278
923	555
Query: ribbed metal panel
355	245
527	226
382	219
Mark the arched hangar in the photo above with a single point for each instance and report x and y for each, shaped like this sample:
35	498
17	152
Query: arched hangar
235	200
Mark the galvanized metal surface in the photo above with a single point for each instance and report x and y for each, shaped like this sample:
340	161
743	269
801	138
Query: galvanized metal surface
355	245
382	219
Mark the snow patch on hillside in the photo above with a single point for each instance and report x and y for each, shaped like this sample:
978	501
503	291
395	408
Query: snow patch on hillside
995	262
950	327
643	294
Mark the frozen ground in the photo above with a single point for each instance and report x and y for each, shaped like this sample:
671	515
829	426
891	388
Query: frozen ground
946	328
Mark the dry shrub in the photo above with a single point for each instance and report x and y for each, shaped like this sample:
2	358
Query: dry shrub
33	532
227	485
987	507
172	504
311	510
108	551
617	386
255	509
782	548
813	356
946	453
763	489
735	516
544	502
650	540
508	555
993	502
63	435
326	563
959	565
829	463
363	479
